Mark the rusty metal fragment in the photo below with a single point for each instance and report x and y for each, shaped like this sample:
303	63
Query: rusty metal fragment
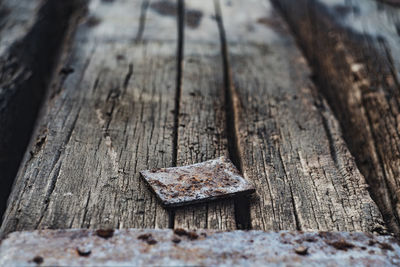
134	247
209	180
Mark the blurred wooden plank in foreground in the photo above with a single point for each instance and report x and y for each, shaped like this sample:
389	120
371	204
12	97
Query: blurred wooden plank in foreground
135	247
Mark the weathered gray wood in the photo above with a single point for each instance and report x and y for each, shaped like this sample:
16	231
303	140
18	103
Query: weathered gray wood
354	49
112	112
290	143
31	34
108	119
201	129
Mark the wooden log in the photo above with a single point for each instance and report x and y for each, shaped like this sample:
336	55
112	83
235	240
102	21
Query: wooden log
31	35
109	118
201	129
289	142
354	51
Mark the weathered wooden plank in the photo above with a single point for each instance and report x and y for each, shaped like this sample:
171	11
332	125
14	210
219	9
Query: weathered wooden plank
112	116
31	34
149	247
201	129
290	143
391	2
355	53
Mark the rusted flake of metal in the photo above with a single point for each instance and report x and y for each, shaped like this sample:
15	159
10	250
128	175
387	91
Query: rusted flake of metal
179	247
206	181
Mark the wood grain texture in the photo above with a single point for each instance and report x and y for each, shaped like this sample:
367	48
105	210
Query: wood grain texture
353	48
201	129
110	116
124	103
31	35
290	143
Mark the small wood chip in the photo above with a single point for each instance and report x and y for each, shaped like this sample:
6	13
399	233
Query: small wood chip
83	252
105	233
301	250
176	240
38	260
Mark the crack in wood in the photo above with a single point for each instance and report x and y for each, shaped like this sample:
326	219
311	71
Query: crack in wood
142	20
178	91
242	205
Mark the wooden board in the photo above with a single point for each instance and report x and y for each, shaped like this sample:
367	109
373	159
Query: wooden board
354	50
289	141
144	88
112	116
31	34
149	247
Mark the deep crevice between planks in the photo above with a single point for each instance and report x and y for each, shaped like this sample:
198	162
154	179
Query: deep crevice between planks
178	93
242	203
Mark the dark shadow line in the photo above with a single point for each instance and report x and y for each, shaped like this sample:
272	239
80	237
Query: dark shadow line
37	55
242	204
178	92
142	20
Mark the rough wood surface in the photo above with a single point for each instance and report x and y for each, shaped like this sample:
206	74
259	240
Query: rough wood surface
290	143
354	49
31	34
155	247
110	116
201	129
124	103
